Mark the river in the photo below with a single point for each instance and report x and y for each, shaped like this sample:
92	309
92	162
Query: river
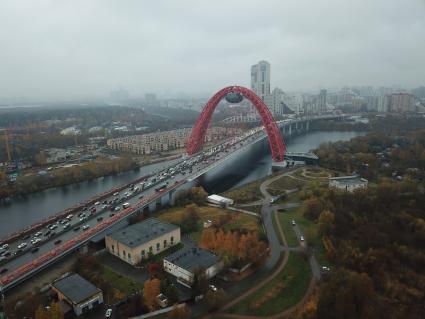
21	212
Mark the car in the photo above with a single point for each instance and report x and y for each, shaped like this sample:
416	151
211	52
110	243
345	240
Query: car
38	234
76	228
69	216
126	205
325	268
213	288
99	218
111	215
22	245
34	250
67	225
52	234
58	242
141	196
97	203
4	270
293	223
116	194
301	238
47	233
27	237
63	221
5	246
86	227
54	226
117	208
108	313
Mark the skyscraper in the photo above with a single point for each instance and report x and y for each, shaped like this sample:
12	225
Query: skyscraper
260	79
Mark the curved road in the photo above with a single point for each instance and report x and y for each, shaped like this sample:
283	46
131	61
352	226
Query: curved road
276	249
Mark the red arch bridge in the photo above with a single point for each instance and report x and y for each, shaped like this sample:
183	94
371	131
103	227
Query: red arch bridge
197	138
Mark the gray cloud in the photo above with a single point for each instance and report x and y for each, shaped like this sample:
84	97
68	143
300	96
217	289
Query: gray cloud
63	48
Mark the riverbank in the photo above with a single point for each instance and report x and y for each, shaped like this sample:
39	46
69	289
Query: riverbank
83	172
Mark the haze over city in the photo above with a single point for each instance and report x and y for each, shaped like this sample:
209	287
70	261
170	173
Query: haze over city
212	159
63	49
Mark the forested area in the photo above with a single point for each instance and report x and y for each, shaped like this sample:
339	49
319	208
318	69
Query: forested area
390	154
375	239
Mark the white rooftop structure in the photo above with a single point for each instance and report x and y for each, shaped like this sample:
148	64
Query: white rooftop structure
348	183
219	200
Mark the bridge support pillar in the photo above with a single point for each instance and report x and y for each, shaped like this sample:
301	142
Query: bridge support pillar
171	197
152	206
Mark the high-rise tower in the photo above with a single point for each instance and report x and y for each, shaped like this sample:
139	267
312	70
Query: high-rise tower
260	80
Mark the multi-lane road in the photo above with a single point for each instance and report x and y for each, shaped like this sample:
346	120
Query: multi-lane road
23	250
53	235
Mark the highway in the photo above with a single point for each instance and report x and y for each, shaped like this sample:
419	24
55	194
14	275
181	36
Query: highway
54	234
37	244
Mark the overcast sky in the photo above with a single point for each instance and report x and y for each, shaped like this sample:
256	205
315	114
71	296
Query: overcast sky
75	48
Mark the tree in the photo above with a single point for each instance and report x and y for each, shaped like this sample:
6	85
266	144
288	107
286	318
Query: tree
172	294
200	282
215	299
180	312
347	295
312	208
151	290
326	222
41	313
55	311
154	270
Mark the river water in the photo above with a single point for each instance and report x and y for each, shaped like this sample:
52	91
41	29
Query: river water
26	210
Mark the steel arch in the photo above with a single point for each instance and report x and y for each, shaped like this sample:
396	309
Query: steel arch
197	137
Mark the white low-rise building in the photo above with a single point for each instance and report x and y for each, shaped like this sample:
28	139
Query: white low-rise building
220	200
183	263
348	183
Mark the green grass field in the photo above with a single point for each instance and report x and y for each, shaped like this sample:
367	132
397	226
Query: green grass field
123	284
246	193
308	227
234	219
284	291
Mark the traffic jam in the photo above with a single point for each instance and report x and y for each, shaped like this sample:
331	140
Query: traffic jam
100	210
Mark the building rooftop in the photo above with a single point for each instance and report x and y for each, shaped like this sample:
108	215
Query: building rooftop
143	232
219	198
190	258
75	288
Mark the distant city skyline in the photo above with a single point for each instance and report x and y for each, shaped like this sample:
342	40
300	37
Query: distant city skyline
73	49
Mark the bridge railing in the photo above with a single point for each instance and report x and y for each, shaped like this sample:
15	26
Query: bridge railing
64	213
72	243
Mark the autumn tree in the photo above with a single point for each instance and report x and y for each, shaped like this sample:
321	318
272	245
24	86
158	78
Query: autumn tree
151	290
172	294
41	313
326	222
180	312
347	295
215	299
312	208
